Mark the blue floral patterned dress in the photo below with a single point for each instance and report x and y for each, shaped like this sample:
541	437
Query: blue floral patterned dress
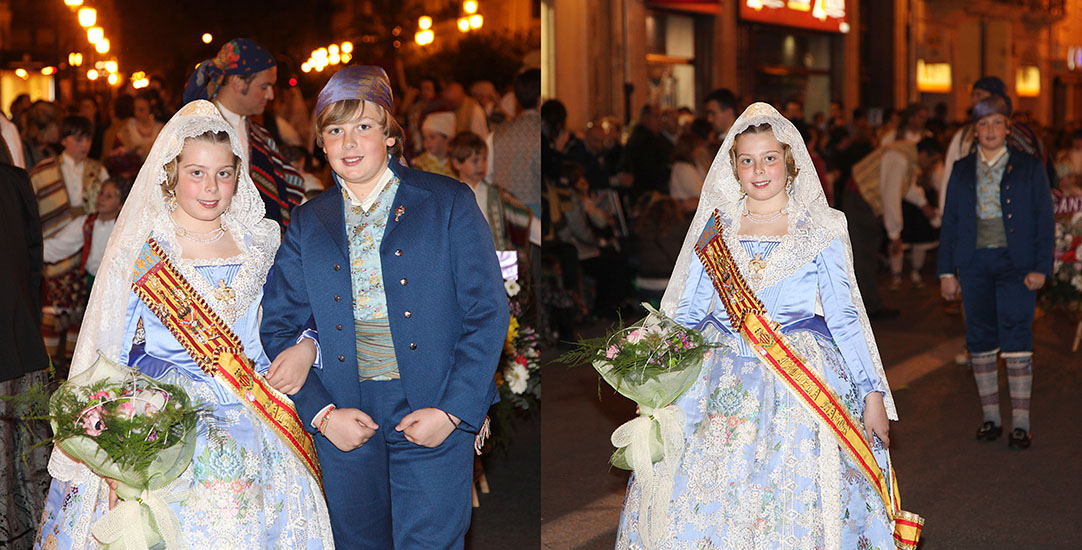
244	489
758	471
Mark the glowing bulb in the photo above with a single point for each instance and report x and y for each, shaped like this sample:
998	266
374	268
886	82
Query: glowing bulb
347	47
110	66
21	73
306	67
92	74
321	53
335	59
425	22
102	46
207	38
476	20
87	17
463	24
346	57
73	3
95	34
114	79
469	6
332	49
75	59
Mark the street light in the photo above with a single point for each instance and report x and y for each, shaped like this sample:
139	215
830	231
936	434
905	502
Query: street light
113	79
463	24
92	74
305	67
110	66
346	57
75	59
95	34
476	20
102	46
347	47
48	71
21	73
87	17
73	3
332	49
334	59
469	6
424	38
207	38
425	22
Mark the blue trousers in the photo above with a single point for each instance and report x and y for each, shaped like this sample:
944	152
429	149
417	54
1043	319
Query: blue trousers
999	307
391	493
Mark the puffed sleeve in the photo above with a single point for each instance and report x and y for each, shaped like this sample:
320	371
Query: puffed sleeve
698	293
841	316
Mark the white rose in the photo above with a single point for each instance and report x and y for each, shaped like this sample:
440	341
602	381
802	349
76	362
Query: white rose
516	376
512	287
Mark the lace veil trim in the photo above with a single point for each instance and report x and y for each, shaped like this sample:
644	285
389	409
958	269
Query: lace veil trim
813	225
145	213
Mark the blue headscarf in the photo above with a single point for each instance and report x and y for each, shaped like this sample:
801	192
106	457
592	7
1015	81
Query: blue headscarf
239	56
365	82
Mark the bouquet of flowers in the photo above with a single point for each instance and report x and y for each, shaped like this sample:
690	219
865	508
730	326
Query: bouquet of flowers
1065	287
651	362
518	377
126	426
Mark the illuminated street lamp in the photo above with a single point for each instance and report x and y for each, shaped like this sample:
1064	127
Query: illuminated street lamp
347	47
207	38
469	6
110	66
92	74
424	38
75	59
332	49
334	59
102	46
463	24
114	79
476	21
87	17
320	53
48	71
306	67
21	73
73	3
425	22
346	57
95	34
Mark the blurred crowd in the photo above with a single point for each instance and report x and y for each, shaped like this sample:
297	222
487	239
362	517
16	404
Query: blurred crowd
618	200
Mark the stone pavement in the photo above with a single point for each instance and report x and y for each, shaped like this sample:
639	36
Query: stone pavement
972	494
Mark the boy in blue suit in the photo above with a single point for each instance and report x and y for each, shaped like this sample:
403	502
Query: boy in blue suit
396	271
995	250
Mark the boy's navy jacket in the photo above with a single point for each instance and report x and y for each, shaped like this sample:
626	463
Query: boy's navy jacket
445	298
1026	200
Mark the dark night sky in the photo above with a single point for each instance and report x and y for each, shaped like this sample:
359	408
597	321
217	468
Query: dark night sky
164	37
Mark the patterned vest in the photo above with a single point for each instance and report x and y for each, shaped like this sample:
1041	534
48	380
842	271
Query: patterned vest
54	204
364	233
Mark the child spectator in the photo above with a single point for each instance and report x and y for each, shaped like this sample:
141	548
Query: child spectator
88	233
436	132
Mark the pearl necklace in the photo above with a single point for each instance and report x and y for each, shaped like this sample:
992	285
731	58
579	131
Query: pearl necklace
212	236
764	218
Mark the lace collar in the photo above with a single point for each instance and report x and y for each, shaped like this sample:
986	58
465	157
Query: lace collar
795	249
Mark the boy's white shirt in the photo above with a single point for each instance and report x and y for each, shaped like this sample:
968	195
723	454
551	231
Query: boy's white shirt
69	240
72	172
236	121
370	198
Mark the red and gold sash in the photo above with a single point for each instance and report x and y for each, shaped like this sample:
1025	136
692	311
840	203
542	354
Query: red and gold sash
749	318
217	349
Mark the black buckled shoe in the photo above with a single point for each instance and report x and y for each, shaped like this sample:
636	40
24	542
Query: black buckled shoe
1019	439
989	432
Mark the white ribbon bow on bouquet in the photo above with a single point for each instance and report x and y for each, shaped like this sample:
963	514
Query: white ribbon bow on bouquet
655	481
123	525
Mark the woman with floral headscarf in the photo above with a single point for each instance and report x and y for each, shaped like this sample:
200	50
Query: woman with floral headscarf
766	271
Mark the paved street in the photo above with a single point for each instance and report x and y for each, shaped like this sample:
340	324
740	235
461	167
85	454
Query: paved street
972	494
